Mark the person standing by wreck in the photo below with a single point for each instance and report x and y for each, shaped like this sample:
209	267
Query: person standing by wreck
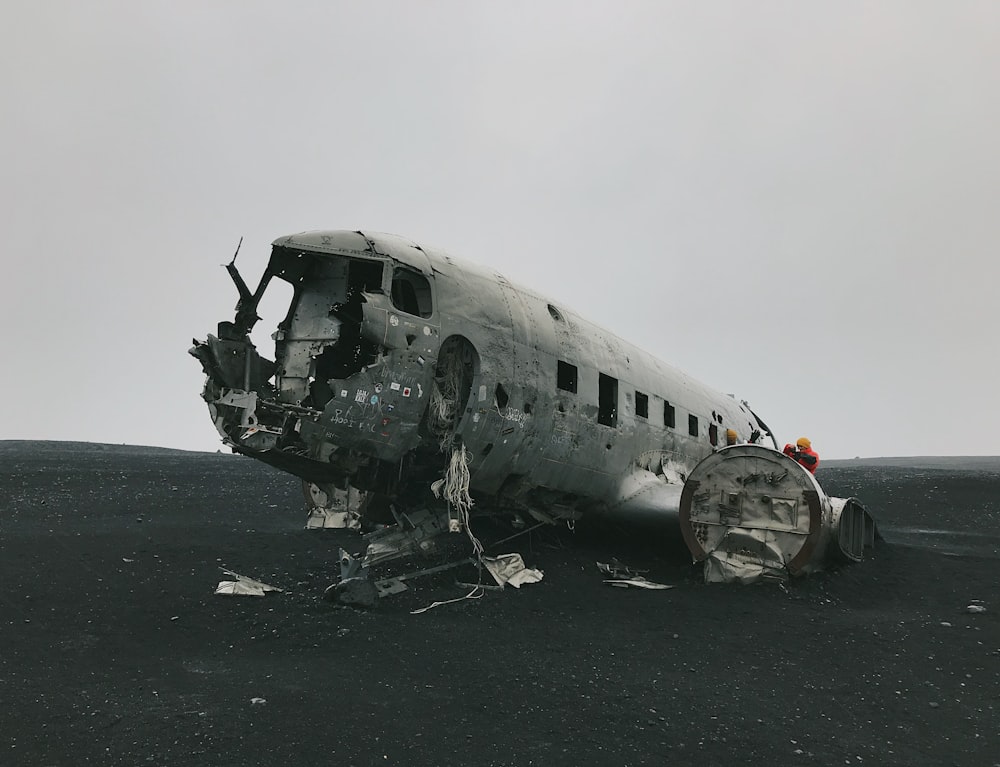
802	452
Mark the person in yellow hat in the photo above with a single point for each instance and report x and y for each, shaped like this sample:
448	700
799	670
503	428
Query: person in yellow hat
803	452
731	437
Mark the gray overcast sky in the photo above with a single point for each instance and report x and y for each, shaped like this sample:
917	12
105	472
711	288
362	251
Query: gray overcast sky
794	202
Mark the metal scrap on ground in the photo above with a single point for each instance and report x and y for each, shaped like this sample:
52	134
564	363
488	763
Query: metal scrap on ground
243	586
624	577
509	569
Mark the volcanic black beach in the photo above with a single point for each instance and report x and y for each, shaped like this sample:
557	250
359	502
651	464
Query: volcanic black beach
115	651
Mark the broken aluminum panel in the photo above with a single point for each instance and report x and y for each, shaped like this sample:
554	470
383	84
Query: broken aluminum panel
510	570
414	533
320	519
637	582
350	567
618	569
749	513
243	586
622	576
331	507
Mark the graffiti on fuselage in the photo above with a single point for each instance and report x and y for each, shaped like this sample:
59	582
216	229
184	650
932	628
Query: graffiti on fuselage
346	418
514	415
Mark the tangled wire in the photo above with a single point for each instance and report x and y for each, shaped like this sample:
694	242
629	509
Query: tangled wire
445	396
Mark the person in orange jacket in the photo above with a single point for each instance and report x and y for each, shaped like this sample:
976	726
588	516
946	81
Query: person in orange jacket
802	452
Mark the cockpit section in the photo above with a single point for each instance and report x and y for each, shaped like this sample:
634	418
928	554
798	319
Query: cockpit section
353	358
321	336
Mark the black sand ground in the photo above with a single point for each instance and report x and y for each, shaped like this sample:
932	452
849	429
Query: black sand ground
116	652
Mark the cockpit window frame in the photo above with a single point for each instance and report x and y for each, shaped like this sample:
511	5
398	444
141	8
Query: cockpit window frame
420	299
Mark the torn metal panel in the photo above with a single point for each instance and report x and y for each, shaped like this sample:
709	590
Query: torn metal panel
239	589
414	533
637	582
750	512
332	507
319	519
720	567
243	586
621	575
350	566
510	570
617	569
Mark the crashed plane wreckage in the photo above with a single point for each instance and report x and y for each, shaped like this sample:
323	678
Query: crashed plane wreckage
398	368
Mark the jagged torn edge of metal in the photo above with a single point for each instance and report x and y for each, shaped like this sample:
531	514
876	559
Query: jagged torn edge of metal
243	586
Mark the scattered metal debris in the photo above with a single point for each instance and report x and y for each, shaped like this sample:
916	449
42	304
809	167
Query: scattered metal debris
637	583
414	532
622	576
332	507
509	569
394	585
618	569
243	586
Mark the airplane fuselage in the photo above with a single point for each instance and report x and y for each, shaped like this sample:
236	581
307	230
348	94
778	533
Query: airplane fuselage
391	353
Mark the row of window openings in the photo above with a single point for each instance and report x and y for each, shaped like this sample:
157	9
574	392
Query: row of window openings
607	399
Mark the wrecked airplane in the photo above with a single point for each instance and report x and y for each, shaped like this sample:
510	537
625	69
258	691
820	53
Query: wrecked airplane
402	376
